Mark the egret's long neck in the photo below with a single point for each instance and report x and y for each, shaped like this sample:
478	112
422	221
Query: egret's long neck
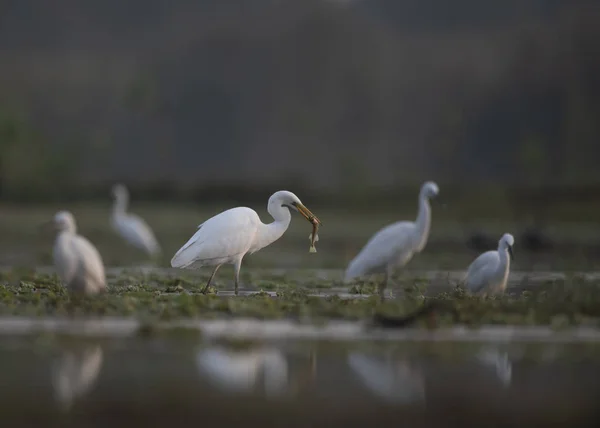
269	233
504	259
120	205
423	222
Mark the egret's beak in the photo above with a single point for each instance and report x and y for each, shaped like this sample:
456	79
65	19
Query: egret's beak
306	213
510	252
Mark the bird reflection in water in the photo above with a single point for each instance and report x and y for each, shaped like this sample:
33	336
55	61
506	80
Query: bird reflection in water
244	371
497	360
75	373
396	381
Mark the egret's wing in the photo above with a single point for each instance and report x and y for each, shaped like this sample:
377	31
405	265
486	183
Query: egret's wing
382	248
223	236
65	260
480	270
135	230
89	261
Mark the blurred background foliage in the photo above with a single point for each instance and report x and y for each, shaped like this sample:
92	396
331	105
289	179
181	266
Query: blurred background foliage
360	99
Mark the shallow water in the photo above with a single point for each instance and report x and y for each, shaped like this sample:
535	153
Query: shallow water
60	370
64	379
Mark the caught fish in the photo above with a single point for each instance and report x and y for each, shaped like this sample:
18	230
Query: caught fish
313	237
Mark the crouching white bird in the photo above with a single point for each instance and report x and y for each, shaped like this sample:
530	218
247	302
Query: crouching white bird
76	260
394	245
227	237
488	274
130	226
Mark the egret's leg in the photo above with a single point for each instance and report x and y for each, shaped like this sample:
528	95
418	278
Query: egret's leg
210	279
389	270
383	285
237	266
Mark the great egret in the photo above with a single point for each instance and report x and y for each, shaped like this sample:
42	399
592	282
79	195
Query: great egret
227	237
130	226
394	245
76	260
488	273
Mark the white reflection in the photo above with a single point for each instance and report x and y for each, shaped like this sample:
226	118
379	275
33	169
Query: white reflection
237	371
396	381
74	374
499	361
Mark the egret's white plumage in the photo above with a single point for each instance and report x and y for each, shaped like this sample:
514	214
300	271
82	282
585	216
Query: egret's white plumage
76	260
131	226
488	274
227	237
394	245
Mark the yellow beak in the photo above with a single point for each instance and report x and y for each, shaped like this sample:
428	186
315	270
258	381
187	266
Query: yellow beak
307	214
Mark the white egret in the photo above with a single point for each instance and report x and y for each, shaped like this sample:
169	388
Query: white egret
394	245
227	237
488	274
131	227
76	260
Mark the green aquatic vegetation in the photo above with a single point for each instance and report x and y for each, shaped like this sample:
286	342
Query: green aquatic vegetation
269	285
363	288
557	303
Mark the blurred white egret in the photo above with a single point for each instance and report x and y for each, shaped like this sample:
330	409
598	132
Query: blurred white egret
227	237
130	226
396	381
75	373
488	274
76	260
394	245
240	371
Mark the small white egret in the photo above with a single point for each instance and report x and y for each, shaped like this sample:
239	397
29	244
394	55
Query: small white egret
227	237
488	274
130	226
76	260
394	245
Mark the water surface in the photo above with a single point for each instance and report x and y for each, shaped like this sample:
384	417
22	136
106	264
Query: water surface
183	378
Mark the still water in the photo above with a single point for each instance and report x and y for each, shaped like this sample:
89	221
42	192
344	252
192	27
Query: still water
181	379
